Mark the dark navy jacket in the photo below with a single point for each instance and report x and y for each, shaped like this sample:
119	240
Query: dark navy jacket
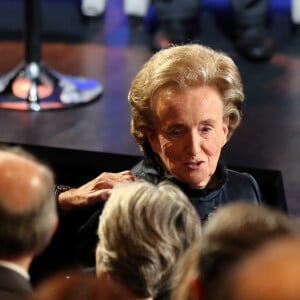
232	186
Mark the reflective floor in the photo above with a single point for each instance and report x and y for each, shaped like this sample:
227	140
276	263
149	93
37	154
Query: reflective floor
269	136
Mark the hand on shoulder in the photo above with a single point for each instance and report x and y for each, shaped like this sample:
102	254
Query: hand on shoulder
94	191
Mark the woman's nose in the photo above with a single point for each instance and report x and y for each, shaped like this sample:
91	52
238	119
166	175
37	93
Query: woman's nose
193	143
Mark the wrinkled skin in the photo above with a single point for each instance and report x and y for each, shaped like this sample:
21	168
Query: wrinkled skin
189	133
94	191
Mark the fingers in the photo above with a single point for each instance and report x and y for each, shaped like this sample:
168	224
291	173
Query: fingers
98	196
126	172
106	179
99	189
128	175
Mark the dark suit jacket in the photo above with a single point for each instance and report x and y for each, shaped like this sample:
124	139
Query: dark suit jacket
13	286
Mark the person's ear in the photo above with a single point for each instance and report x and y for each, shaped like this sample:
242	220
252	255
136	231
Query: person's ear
97	259
196	289
55	226
225	127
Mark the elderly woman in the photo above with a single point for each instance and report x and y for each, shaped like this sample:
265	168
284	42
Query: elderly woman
185	104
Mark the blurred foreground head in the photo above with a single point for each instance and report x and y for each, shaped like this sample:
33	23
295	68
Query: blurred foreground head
27	204
70	285
232	233
143	230
271	272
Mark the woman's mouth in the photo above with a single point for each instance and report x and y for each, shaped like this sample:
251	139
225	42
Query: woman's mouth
194	165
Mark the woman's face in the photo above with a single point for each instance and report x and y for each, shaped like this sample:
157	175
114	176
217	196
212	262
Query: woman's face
189	133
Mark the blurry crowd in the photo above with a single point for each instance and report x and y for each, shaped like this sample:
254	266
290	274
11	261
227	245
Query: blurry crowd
179	22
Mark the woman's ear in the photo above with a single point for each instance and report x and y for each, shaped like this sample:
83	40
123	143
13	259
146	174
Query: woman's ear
225	129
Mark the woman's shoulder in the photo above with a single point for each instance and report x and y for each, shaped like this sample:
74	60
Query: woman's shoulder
148	170
241	176
243	184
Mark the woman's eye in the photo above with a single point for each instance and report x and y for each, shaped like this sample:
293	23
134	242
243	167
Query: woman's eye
206	129
175	132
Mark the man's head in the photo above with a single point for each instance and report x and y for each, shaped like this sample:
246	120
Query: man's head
143	230
234	231
27	204
270	272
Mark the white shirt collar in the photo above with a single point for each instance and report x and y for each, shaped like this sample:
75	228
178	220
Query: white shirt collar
16	268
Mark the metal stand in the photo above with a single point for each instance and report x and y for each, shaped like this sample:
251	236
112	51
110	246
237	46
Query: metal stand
33	86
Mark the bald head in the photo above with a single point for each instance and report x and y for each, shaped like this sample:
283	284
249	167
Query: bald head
27	203
21	181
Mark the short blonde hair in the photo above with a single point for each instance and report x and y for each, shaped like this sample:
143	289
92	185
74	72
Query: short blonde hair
183	67
143	230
